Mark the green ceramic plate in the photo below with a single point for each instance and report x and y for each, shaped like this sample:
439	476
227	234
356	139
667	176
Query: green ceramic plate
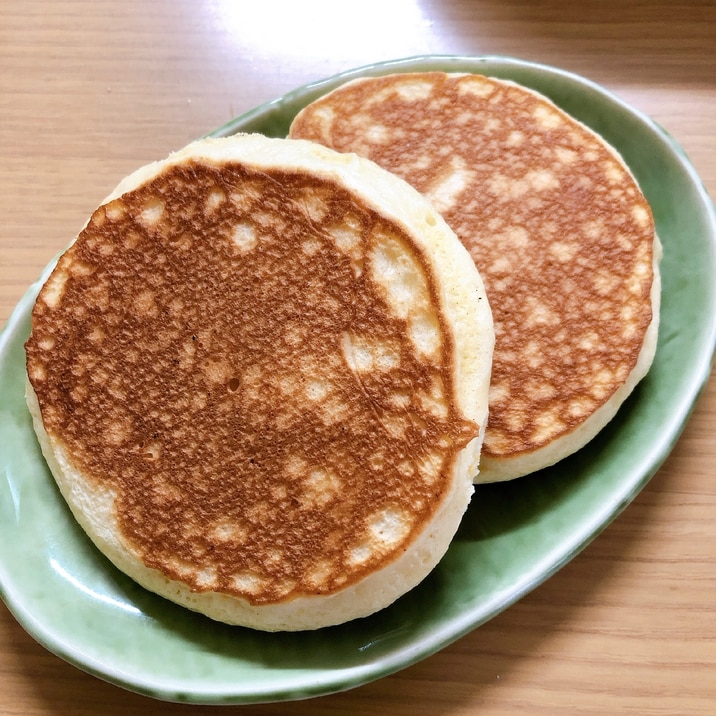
514	535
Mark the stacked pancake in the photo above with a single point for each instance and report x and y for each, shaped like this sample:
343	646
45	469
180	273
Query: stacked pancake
557	225
260	377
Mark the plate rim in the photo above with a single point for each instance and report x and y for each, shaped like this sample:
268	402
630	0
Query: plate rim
346	678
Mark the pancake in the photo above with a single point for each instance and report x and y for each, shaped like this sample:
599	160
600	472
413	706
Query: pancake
260	376
561	233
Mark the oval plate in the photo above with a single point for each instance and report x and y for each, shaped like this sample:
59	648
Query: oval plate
514	536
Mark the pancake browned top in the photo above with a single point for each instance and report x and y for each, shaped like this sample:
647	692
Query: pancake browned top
189	353
558	228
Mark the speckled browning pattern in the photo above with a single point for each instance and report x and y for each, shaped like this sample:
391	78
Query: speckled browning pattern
560	232
215	347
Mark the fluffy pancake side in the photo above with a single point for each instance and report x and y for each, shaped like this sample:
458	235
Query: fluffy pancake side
557	225
259	376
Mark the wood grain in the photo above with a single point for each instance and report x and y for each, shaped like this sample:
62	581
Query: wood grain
89	91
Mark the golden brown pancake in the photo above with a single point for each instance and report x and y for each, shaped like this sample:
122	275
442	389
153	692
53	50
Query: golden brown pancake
561	233
259	376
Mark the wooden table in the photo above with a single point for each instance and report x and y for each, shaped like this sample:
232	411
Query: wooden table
91	90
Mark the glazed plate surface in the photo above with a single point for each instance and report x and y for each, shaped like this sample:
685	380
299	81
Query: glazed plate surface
514	536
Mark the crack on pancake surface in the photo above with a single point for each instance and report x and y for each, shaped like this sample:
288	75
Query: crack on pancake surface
189	352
